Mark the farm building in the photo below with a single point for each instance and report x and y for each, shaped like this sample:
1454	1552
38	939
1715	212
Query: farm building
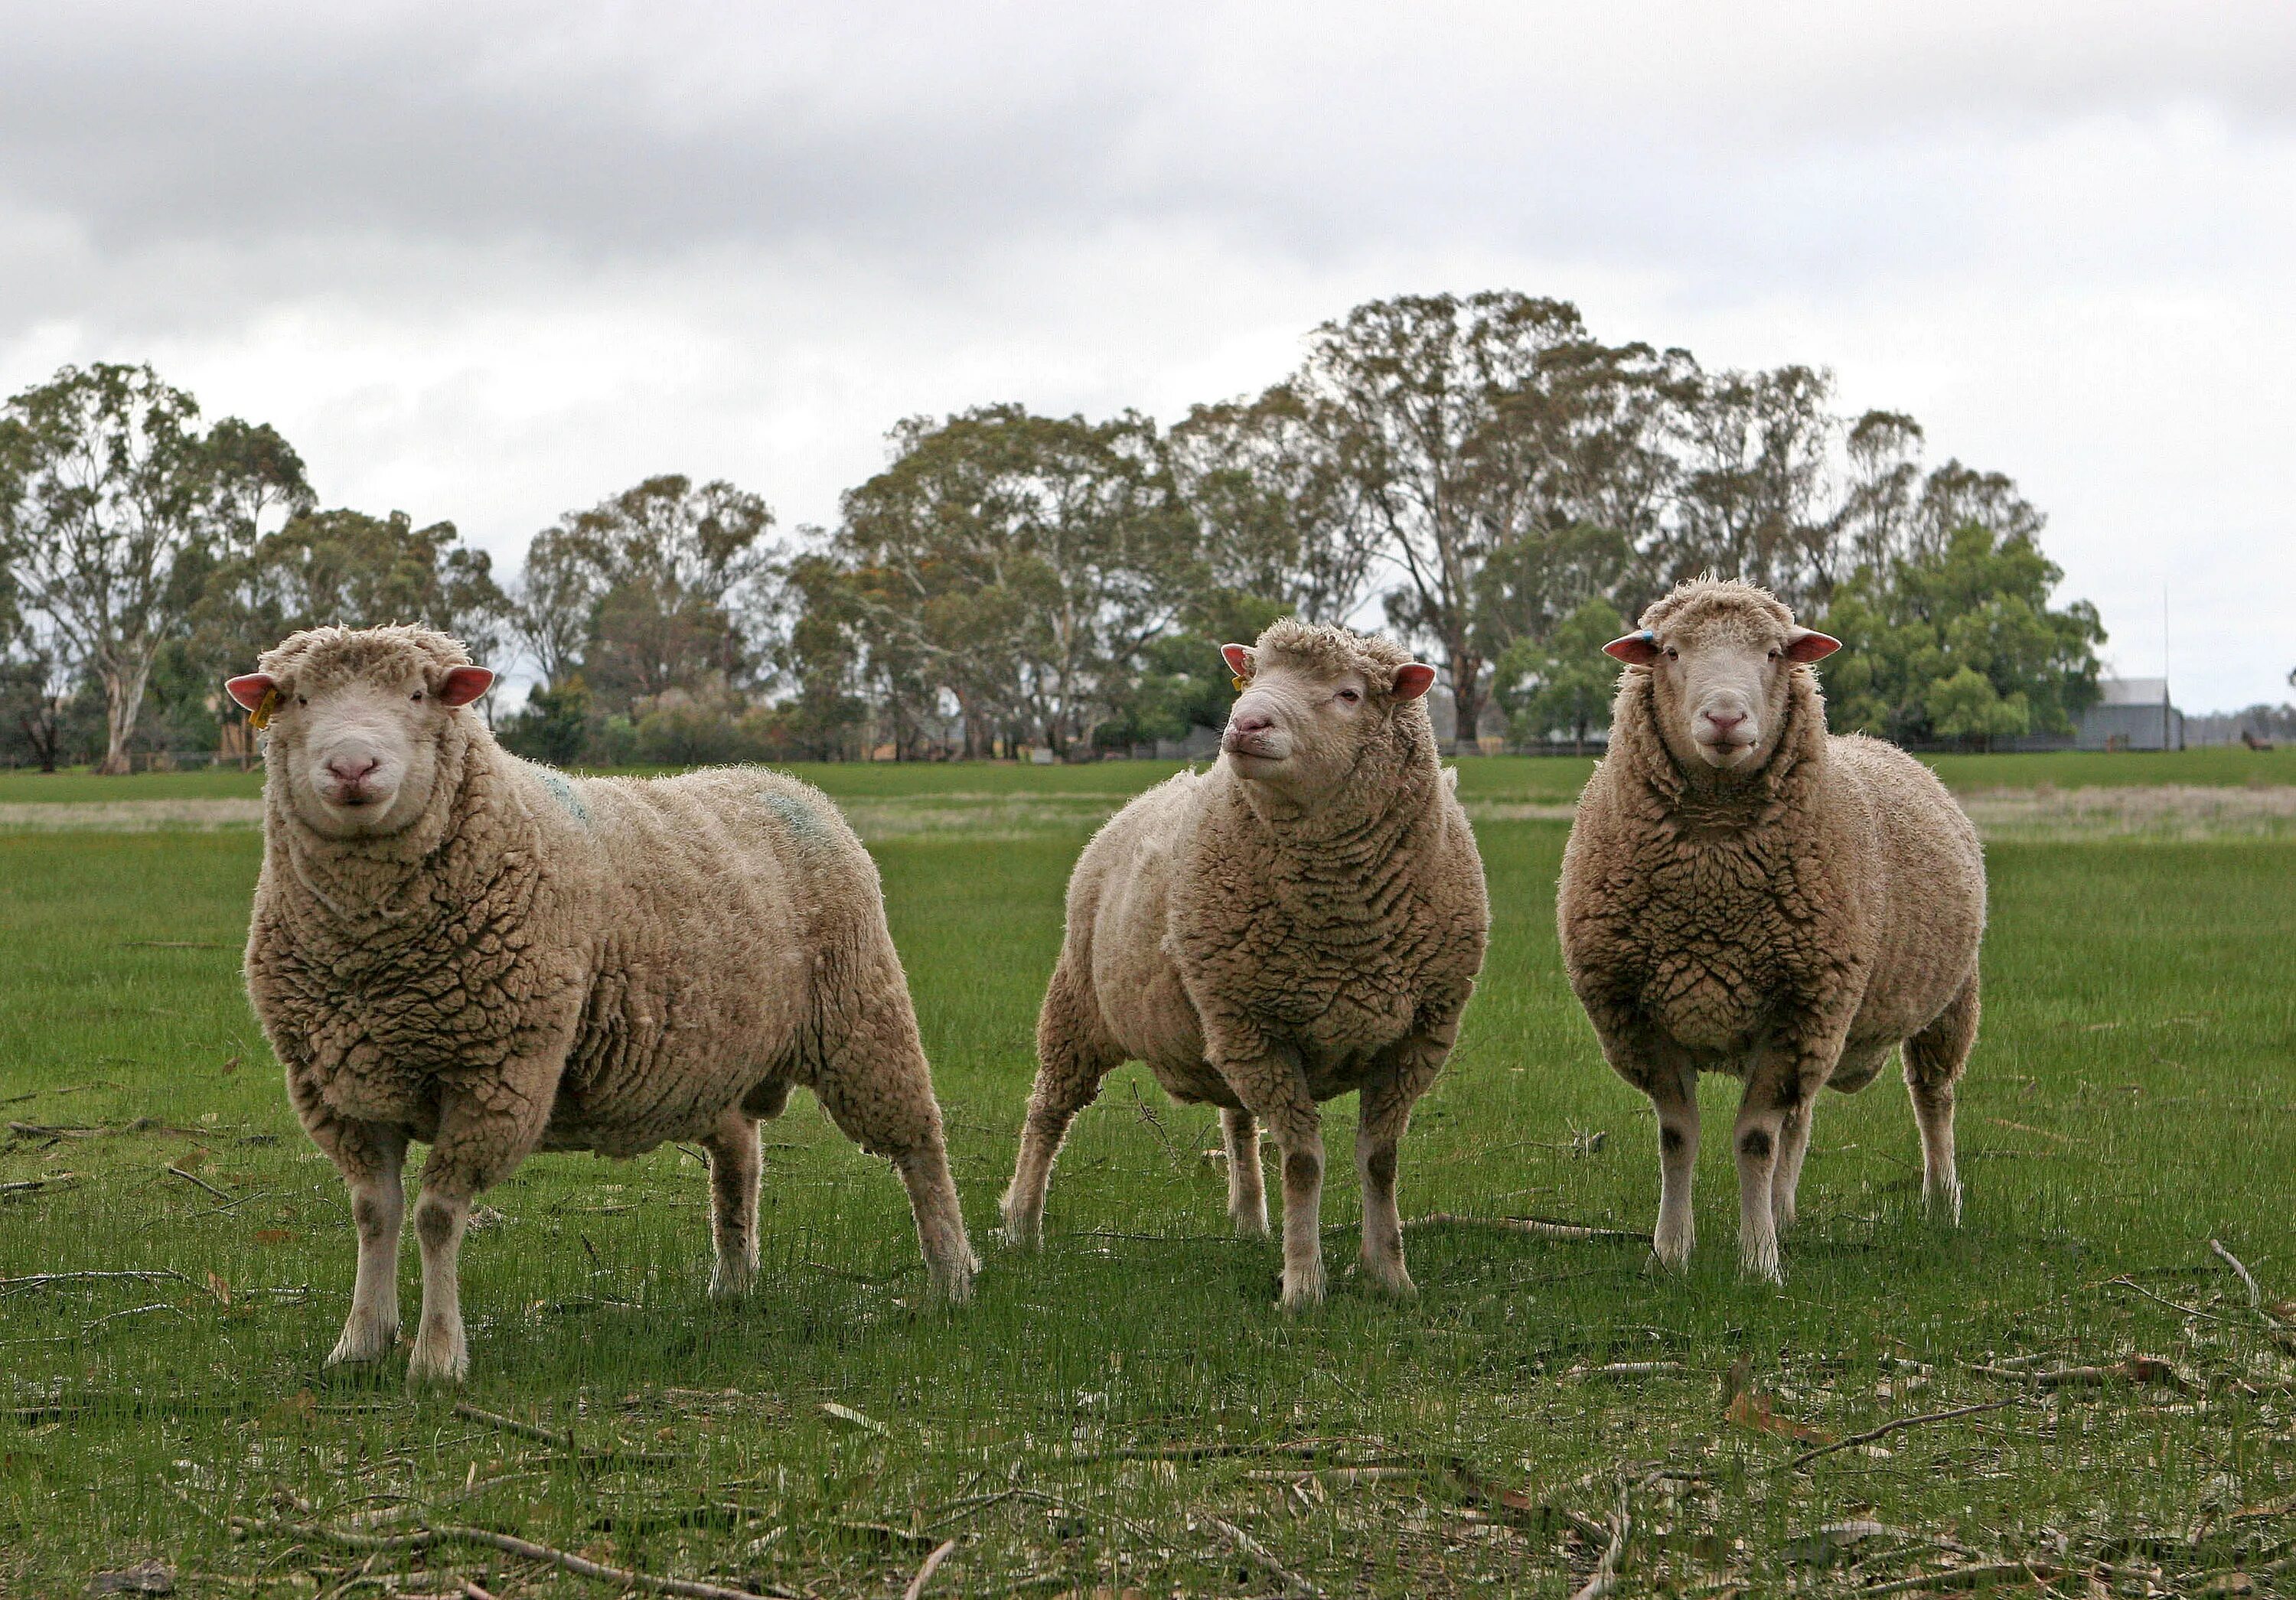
2132	713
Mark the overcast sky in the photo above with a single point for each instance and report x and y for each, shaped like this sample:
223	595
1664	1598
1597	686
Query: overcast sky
488	263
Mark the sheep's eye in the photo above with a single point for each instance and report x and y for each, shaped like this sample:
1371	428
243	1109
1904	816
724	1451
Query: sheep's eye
418	694
1349	696
1672	654
1774	655
301	701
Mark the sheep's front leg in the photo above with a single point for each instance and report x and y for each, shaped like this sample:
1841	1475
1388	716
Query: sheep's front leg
1384	1110
369	1157
1247	1189
734	1164
1674	1096
1273	1085
479	1142
1780	1084
1670	1077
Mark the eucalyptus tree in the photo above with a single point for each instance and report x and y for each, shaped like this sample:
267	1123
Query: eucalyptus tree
1280	517
1019	562
115	507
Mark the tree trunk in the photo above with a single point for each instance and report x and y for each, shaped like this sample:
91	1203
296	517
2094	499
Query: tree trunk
1467	697
123	698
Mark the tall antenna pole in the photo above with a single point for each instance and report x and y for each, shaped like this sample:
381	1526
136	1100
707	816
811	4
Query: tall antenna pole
2164	663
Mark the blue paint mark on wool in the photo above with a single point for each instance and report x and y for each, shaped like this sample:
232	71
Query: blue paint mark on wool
800	817
563	793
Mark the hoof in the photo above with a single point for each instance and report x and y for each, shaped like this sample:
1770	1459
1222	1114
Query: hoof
1249	1227
1944	1205
731	1280
1753	1269
1397	1287
442	1361
1303	1291
362	1342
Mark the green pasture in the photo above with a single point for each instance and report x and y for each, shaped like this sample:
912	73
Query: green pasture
1553	779
1127	1413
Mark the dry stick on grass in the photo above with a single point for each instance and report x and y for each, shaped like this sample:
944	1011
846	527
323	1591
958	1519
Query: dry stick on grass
1545	1227
1898	1426
924	1573
1966	1577
42	1280
2247	1278
173	1171
1212	1452
1606	1577
487	1539
1291	1582
558	1441
53	1179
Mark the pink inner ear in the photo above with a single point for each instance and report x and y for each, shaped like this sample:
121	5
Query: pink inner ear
1238	658
249	689
1412	680
464	684
1636	650
1809	645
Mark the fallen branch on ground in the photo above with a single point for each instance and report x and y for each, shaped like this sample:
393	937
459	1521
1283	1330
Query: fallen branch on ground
559	1441
566	1560
2247	1278
1545	1227
924	1573
1291	1582
42	1280
175	1172
1605	1576
1899	1426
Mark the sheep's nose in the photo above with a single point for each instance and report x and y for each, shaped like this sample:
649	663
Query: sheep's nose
1724	721
352	769
1252	722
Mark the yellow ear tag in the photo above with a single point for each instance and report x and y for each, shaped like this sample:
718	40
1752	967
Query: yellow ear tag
1238	682
261	716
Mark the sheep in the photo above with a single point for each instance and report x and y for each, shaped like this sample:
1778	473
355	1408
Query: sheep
1744	893
455	946
1307	918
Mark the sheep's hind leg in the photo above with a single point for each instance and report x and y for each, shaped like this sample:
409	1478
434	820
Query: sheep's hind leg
1073	1054
1786	1177
1247	1189
371	1157
1379	1139
1934	1060
877	1087
734	1163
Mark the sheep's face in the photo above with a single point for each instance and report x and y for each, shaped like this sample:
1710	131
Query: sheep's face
357	752
1721	668
1300	725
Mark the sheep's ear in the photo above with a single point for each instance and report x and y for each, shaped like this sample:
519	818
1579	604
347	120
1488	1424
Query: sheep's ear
1636	649
1807	645
1240	658
1412	680
463	684
249	688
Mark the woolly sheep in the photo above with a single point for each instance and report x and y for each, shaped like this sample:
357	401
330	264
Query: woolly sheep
1744	893
455	946
1305	919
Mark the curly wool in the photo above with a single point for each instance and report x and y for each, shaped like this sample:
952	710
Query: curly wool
1790	926
1263	963
561	963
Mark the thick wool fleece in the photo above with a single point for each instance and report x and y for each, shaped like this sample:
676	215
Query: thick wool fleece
1789	926
1263	960
543	962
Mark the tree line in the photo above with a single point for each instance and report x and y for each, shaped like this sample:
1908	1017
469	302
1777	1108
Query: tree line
1479	474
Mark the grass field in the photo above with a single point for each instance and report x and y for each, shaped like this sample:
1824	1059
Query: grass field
1126	1414
1532	778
